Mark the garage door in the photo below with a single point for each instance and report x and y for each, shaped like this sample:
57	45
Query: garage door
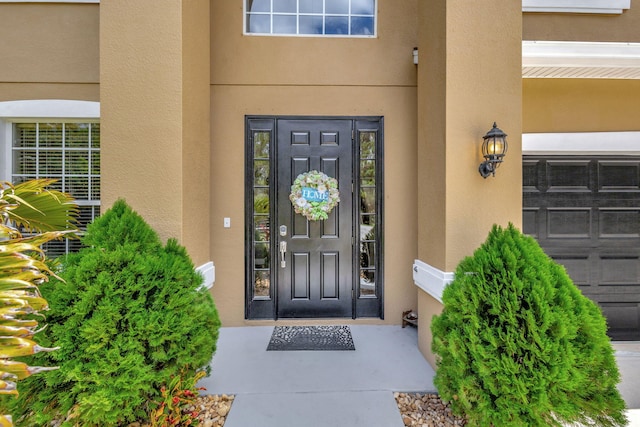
585	213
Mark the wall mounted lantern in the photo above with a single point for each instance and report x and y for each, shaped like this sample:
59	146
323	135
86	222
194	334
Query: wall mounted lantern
494	147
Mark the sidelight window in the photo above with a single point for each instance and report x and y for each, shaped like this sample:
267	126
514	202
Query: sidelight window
368	214
261	246
345	18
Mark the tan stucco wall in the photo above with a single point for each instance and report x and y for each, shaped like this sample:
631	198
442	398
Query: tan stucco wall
315	77
49	51
258	60
583	27
580	105
141	113
196	130
429	307
462	91
152	89
471	78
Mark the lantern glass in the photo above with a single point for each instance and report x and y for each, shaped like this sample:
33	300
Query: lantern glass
494	144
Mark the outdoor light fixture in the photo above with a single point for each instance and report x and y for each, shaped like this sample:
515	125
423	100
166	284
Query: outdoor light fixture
494	147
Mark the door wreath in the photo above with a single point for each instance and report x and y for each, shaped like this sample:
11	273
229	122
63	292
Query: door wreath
314	195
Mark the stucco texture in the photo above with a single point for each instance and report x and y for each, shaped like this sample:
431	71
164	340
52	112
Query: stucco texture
583	27
49	43
154	85
385	60
49	51
580	105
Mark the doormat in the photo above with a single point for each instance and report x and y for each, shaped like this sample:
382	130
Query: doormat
285	338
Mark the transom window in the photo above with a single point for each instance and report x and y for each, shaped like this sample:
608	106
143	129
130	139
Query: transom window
345	18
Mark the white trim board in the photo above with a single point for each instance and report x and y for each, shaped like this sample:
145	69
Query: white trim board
208	271
588	143
49	1
576	6
38	109
430	279
580	54
49	108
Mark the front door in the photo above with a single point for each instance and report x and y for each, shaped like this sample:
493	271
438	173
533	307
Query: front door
305	268
315	274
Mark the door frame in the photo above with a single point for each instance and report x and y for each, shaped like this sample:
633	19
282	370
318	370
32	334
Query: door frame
264	306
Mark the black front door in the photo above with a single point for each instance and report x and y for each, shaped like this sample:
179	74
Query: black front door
315	273
301	268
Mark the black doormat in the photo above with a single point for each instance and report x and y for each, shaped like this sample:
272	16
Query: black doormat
286	338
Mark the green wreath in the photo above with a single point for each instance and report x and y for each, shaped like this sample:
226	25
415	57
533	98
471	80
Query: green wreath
314	195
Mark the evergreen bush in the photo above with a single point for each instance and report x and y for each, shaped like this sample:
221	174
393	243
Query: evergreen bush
130	316
519	345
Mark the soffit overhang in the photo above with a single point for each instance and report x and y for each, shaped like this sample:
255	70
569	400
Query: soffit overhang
582	60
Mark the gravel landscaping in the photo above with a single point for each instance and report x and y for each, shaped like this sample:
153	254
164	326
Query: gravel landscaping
421	410
426	410
212	409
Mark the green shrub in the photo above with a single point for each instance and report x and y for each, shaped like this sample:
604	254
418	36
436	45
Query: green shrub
519	345
130	318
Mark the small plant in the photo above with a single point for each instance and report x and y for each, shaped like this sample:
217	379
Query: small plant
177	398
130	315
519	345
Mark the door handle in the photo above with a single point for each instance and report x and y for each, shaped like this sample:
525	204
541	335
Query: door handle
283	251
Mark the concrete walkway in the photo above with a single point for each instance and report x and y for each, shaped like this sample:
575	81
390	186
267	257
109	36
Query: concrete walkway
628	358
340	388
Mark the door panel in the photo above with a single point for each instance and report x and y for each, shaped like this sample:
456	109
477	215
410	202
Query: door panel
317	277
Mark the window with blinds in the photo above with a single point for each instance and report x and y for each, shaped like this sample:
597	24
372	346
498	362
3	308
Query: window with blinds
68	152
